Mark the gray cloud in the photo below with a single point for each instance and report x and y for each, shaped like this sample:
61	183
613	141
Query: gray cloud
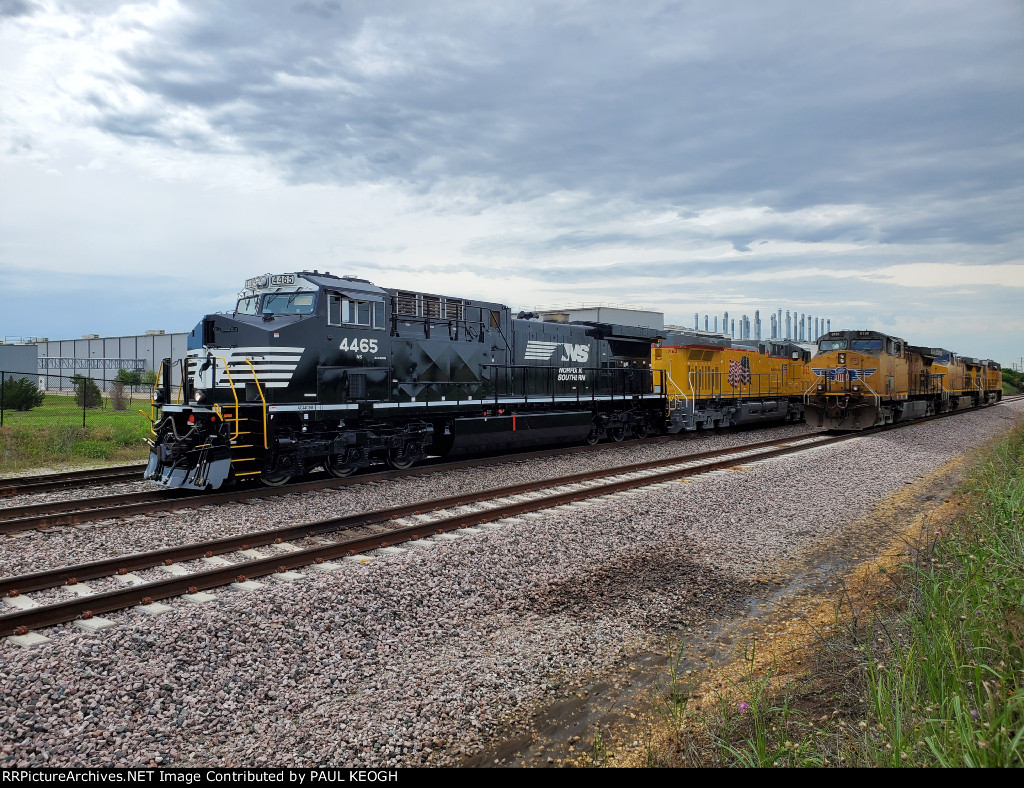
895	129
17	8
690	105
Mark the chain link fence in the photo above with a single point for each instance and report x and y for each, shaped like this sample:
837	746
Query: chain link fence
59	422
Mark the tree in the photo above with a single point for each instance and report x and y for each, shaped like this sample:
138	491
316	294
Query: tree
130	378
87	393
20	394
149	378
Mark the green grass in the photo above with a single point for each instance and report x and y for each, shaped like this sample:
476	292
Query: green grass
947	690
52	434
936	678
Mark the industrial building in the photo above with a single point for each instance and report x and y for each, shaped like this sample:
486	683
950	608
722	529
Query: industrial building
55	362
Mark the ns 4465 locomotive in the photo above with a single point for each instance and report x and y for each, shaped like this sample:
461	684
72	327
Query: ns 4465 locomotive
313	370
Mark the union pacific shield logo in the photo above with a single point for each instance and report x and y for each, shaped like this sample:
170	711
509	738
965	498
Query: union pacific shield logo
842	374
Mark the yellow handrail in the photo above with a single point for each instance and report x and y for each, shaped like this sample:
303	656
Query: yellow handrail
233	393
259	388
152	396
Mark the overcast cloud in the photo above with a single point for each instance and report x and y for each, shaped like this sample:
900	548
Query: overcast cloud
861	162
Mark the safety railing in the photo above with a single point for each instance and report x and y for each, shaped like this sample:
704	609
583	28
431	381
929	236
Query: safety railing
263	399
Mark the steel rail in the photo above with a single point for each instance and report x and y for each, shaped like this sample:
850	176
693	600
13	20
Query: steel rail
34	618
14	519
53	578
143	594
23	485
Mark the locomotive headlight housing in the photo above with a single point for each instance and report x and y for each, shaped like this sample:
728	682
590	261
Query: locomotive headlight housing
821	387
842	358
199	396
856	387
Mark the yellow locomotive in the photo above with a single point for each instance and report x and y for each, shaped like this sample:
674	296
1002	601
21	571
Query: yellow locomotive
860	379
708	386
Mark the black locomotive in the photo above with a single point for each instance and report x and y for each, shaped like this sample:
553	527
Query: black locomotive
314	370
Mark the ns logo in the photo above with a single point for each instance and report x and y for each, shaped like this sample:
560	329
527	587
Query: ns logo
544	351
578	353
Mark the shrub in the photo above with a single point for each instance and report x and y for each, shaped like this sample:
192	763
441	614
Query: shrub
118	397
87	393
21	394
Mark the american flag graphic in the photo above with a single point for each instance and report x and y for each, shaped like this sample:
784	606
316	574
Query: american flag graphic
739	372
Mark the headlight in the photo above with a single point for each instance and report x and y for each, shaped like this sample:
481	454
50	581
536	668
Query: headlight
199	396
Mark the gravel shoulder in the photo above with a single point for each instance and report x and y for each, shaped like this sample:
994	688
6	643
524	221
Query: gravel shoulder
442	655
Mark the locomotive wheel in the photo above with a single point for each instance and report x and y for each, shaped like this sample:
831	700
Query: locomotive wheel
591	438
274	478
399	461
338	471
640	430
617	433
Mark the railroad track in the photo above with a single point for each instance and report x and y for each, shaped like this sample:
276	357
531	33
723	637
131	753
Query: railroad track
388	527
410	524
24	485
14	519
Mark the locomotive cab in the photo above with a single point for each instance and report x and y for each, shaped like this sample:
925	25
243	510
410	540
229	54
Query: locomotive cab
859	379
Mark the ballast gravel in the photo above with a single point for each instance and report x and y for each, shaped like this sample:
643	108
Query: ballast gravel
422	657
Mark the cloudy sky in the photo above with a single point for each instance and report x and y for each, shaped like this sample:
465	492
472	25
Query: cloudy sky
861	161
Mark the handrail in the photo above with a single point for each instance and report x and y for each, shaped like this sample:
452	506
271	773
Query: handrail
676	385
813	384
878	399
259	388
152	397
233	393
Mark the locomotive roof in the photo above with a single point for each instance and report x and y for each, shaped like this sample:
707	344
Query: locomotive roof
857	334
348	283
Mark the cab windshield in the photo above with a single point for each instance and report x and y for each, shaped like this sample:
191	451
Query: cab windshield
831	344
247	306
866	345
300	303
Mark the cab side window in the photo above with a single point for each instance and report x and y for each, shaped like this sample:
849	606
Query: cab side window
344	311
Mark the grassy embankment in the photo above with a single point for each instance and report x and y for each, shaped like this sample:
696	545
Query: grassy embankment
931	676
52	435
